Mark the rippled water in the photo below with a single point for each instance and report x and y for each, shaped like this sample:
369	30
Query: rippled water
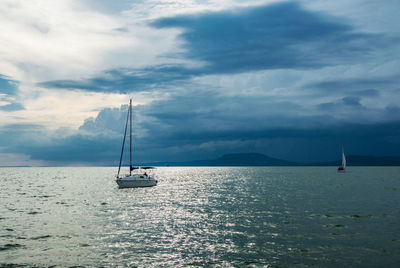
257	217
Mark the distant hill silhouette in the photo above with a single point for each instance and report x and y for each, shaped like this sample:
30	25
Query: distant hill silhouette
364	160
248	159
256	159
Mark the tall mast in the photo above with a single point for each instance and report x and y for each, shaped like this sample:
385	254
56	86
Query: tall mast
123	143
130	138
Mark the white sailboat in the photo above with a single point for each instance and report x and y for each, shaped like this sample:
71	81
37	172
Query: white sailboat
342	168
137	179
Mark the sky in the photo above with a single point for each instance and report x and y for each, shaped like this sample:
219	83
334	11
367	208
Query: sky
294	80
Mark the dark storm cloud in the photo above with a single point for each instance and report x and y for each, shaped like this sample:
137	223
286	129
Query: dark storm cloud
13	136
125	81
39	143
352	101
327	106
351	92
393	109
185	126
367	93
294	142
283	35
346	102
288	143
187	113
366	86
206	131
77	148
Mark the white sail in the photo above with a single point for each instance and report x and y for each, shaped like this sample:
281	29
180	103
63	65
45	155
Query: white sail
343	159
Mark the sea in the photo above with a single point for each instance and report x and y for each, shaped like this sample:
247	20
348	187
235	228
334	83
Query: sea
201	217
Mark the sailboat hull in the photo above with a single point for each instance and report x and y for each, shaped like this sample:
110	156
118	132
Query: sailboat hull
136	180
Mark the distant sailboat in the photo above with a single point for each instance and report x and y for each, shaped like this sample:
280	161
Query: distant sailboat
343	166
133	179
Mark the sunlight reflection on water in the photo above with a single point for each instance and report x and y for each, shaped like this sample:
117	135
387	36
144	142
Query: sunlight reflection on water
277	216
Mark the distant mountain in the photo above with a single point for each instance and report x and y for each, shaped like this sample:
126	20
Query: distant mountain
243	159
256	159
249	159
364	160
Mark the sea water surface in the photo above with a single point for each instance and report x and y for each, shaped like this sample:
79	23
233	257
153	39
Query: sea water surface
201	216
